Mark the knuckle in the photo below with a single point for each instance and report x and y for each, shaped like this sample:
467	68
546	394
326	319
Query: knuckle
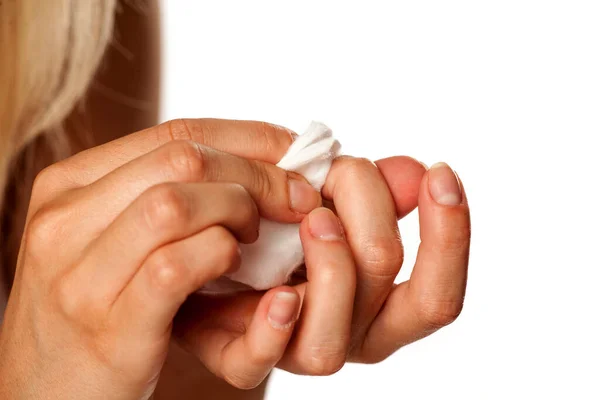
186	160
43	229
261	181
245	207
242	381
229	249
261	356
44	179
238	192
175	129
437	314
166	273
164	206
383	256
45	183
356	165
68	299
86	308
326	358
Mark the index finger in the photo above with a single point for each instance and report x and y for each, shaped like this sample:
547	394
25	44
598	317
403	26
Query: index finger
249	139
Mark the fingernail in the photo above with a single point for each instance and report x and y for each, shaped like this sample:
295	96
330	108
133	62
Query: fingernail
303	197
324	225
283	310
443	185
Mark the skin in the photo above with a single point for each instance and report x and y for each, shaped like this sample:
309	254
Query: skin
116	307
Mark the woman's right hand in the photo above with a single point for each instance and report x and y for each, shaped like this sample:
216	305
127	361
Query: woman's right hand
116	239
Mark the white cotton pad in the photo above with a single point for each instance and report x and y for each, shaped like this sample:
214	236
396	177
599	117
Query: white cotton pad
271	260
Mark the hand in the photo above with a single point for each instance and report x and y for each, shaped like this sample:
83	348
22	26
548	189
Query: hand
351	309
116	239
387	316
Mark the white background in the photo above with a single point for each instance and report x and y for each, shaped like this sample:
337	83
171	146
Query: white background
506	92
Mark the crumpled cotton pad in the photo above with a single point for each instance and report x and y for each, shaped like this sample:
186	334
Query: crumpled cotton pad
271	260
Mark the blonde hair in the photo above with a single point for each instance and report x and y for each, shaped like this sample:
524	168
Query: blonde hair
50	51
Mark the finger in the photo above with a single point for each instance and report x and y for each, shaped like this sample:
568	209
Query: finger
281	196
150	301
368	214
163	214
323	333
433	297
249	139
244	358
403	176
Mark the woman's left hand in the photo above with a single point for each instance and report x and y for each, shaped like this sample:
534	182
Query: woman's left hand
352	310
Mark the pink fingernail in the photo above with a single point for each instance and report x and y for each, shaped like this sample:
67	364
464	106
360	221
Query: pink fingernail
443	185
283	309
303	197
324	225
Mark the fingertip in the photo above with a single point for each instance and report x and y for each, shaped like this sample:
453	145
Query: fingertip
322	224
283	309
407	165
277	140
443	225
286	131
281	195
403	176
303	198
249	358
462	189
441	186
